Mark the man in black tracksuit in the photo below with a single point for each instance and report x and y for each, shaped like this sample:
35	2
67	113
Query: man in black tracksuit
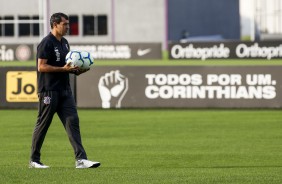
55	95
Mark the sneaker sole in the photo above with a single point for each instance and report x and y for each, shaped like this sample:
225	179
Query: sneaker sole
32	167
95	165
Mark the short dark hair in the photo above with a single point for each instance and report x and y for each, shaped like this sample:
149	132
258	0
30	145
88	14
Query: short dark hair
57	18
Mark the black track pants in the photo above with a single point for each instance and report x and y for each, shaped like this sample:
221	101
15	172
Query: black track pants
63	103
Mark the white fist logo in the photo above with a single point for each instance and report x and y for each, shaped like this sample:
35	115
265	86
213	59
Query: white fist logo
112	88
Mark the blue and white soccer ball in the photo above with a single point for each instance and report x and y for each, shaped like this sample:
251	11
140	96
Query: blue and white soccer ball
82	59
75	58
87	58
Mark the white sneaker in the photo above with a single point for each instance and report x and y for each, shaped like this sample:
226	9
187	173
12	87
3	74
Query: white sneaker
38	165
83	163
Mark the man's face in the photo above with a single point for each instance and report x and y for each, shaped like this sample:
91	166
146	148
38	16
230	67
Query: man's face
63	27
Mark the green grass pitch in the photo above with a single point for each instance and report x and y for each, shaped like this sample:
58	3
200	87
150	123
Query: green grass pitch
150	146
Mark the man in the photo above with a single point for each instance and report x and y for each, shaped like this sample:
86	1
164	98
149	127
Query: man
55	94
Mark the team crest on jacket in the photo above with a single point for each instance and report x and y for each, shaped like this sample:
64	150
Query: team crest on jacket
47	100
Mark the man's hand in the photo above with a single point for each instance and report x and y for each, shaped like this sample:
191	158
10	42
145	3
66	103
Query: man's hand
44	67
80	71
70	69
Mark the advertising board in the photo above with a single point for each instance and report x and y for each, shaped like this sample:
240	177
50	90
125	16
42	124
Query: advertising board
180	87
123	51
18	87
14	52
226	50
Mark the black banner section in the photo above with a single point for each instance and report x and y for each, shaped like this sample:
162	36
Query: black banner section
13	52
122	50
180	87
226	50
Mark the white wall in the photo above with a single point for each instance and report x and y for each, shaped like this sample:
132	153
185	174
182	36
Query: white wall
247	13
140	21
134	21
267	14
25	7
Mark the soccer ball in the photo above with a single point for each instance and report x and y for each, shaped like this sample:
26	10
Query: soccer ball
82	59
87	58
75	58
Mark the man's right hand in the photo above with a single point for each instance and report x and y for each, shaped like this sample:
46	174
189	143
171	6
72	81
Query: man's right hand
44	67
71	69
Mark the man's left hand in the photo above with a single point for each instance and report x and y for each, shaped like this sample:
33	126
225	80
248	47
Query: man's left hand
80	71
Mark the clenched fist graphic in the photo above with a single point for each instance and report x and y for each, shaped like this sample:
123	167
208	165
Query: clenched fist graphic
112	88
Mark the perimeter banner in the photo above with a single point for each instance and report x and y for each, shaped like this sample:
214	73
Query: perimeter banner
155	87
14	52
18	87
226	50
109	51
180	87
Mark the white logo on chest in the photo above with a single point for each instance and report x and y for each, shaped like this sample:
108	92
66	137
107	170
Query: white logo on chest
57	54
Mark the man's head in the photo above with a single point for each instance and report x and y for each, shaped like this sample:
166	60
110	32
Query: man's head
59	23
